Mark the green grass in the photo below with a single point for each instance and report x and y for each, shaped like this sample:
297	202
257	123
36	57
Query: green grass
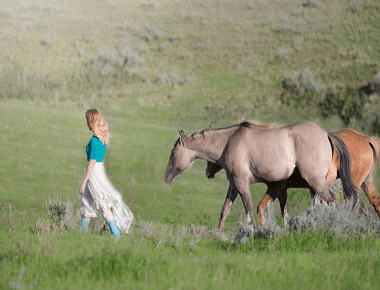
66	259
46	85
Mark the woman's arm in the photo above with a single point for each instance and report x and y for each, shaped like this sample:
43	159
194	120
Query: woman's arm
89	169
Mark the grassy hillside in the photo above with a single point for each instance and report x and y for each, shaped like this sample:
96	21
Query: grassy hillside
153	67
178	54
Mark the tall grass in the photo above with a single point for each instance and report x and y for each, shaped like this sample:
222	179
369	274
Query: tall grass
185	257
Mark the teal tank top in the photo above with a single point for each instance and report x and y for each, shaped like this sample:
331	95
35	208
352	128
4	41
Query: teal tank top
95	149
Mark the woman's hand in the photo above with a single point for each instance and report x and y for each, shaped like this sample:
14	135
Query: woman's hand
81	188
89	169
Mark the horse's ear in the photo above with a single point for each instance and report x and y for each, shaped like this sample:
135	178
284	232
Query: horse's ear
181	135
210	126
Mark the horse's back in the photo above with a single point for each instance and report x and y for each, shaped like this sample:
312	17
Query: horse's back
306	130
273	154
252	152
356	142
303	138
307	134
265	154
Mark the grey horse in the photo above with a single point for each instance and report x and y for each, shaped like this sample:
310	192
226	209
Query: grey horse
250	154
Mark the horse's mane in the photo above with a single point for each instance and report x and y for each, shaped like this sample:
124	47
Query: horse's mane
248	124
241	123
210	128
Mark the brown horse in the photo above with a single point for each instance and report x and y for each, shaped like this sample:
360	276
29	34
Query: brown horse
364	152
252	154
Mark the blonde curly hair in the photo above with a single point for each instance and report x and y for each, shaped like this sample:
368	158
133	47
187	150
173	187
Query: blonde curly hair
98	125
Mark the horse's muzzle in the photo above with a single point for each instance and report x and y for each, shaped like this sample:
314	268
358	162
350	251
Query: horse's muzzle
209	175
168	178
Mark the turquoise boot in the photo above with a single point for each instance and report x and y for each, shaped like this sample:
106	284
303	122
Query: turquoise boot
114	229
84	225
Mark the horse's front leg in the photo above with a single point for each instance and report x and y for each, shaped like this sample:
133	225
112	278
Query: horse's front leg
275	190
267	199
242	187
230	198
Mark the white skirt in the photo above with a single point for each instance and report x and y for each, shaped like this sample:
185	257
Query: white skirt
99	195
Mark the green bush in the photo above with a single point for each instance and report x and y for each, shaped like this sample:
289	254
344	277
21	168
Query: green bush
358	107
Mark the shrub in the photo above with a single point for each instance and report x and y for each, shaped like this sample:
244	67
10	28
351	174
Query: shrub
106	70
152	33
298	13
188	54
301	91
5	13
190	79
342	101
203	46
174	79
358	107
142	48
162	79
283	52
343	221
174	235
301	82
311	3
355	7
287	28
80	52
178	36
48	39
270	229
164	46
128	24
62	216
122	56
149	4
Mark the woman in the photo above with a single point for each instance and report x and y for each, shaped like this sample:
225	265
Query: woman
98	194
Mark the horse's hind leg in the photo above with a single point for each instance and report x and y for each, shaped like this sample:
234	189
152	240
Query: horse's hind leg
359	175
370	190
372	195
323	191
230	198
283	199
357	200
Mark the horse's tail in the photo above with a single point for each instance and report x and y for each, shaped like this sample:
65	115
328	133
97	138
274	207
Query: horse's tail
345	165
375	144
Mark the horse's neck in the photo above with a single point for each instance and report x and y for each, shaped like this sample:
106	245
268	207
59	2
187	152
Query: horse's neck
209	145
